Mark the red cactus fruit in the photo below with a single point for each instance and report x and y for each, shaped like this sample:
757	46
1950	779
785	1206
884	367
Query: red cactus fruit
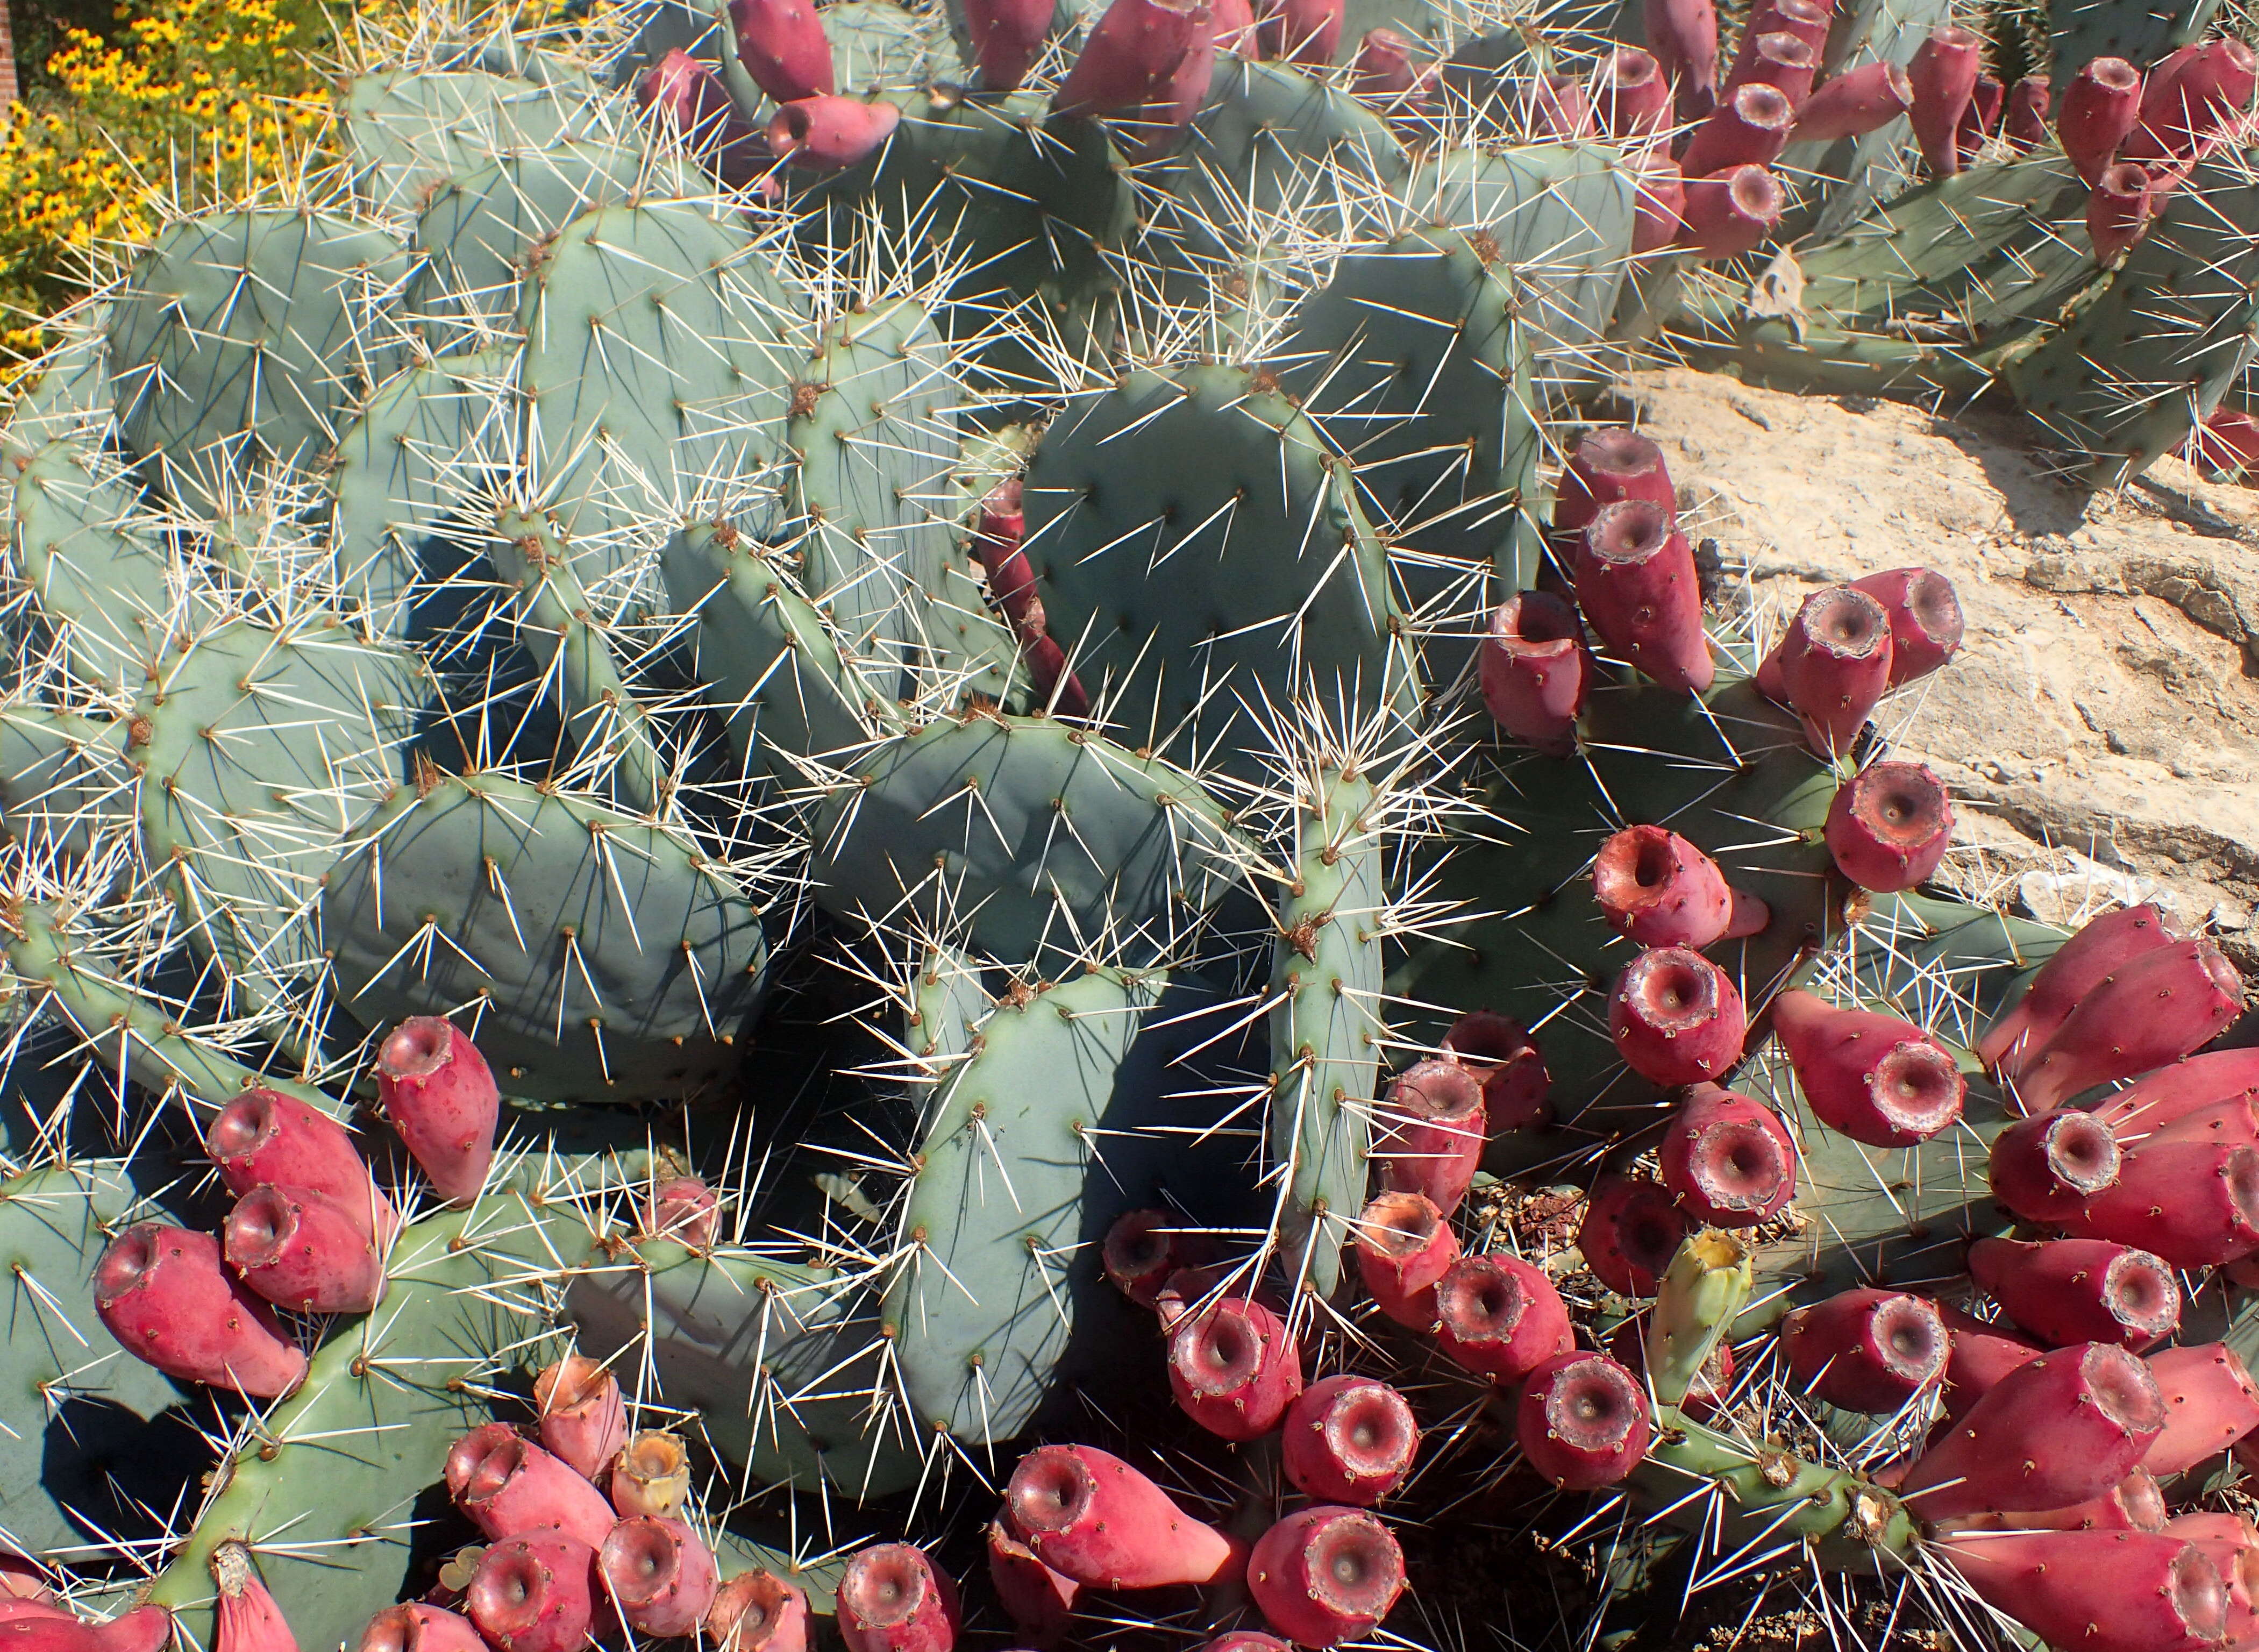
1383	73
2082	962
2155	1008
1349	1440
1582	1421
1143	1248
758	1611
1246	1640
685	1209
1982	1353
584	1420
2193	1203
1749	128
1403	1247
1660	890
26	1580
2043	1169
660	1574
1683	34
2191	97
1636	580
2142	1591
2158	1103
1879	1079
1516	1088
1559	109
438	1091
1806	19
827	134
1630	1232
1008	37
685	94
1832	666
1499	1317
1781	61
1537	671
2227	442
782	45
1889	826
2233	1120
510	1486
537	1592
164	1295
1728	213
264	1136
1675	1017
1325	1575
651	1475
1429	1130
1132	57
1609	465
1231	25
1303	31
2060	1429
302	1251
1945	73
2025	125
1981	119
1233	1367
1038	1601
2119	209
2210	1403
1659	208
1925	616
2099	108
417	1628
246	1617
1866	1349
2066	1291
2135	1504
30	1626
1092	1517
892	1598
1853	104
1183	1290
1630	97
1728	1158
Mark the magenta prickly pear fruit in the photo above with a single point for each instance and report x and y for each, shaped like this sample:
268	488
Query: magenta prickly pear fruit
1142	1250
1304	31
1781	61
2026	123
2045	1169
1403	1247
2190	98
685	1209
1537	671
1659	208
1832	666
1729	1159
2118	210
1499	1317
1246	1640
2152	1010
1183	1290
1132	57
264	1137
2131	1592
1982	1353
1926	622
584	1420
143	1629
165	1296
783	46
1660	890
827	134
302	1251
2157	1102
2061	1429
2078	966
1683	34
1039	1601
2135	1504
1429	1132
1889	826
651	1475
2231	1121
439	1092
1979	119
1866	1351
1945	73
893	1599
508	1486
1231	25
1560	110
2210	1403
1630	97
246	1617
2066	1291
1008	37
2195	1204
758	1611
417	1628
1675	1017
1500	1052
1582	1421
1609	467
1089	1515
1325	1575
687	94
1749	128
1807	21
1854	103
537	1592
1234	1368
1879	1079
1349	1440
2100	108
1384	73
1730	212
660	1574
1630	1231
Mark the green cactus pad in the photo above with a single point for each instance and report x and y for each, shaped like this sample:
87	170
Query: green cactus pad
411	130
62	784
100	577
1861	170
72	394
879	49
2142	32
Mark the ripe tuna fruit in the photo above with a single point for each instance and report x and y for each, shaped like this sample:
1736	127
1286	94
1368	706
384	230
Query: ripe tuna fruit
1500	1316
2129	1591
508	1485
1657	889
535	1594
1582	1421
685	1209
782	45
1638	584
1982	1353
1038	1601
1945	73
2151	1010
1832	666
1403	1247
247	1618
2193	1203
1090	1516
264	1136
301	1250
1535	670
1008	37
1728	1158
1749	128
2135	1504
660	1574
2061	1429
1926	622
439	1092
1609	465
651	1475
1889	826
2045	1169
2092	952
1675	1017
2099	108
1728	213
1142	1249
2066	1291
584	1420
892	1599
1132	57
1349	1440
417	1628
1879	1079
1325	1575
165	1296
1516	1088
1429	1132
2210	1403
758	1611
2119	209
2153	1104
1631	1229
1853	104
1867	1350
1234	1368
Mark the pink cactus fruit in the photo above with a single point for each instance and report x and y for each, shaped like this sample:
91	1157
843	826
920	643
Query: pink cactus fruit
1981	119
1889	826
2132	1589
1008	37
660	1574
1517	1091
1781	61
1807	21
2211	1405
1659	208
1537	671
687	94
892	1598
1982	1353
1429	1130
1403	1247
1749	128
1384	73
303	1251
1039	1601
2057	1429
1233	1367
1246	1640
1185	1290
510	1486
2074	969
1630	97
2135	1504
1499	1317
2195	1204
1307	32
1683	34
1559	109
1090	1516
782	45
1728	1158
758	1611
2160	1103
2099	108
536	1592
265	1137
1868	1350
1926	624
1231	25
247	1618
1326	1575
439	1092
2227	442
1945	73
2025	125
2066	1291
1677	1018
651	1475
1140	1252
829	134
2165	1003
30	1626
1582	1421
2044	1169
2119	209
417	1626
1879	1080
1832	666
2191	97
1730	213
1631	1230
684	1209
1854	103
584	1420
1349	1439
1132	56
164	1295
28	1580
1657	889
1607	466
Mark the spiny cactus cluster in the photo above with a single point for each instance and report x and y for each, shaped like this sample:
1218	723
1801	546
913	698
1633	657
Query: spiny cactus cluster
951	719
